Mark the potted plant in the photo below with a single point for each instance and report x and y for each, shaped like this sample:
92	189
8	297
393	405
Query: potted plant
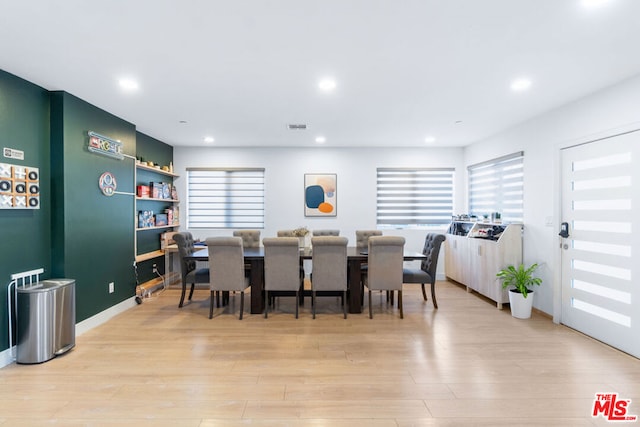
519	280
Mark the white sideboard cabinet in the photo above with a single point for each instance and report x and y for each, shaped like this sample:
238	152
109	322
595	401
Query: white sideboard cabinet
476	251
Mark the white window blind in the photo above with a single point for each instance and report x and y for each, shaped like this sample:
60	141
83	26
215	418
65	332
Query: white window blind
414	197
498	186
225	198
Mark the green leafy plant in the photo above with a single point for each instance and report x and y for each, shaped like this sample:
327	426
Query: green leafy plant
520	278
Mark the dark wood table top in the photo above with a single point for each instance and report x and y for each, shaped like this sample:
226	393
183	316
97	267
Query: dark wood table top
353	253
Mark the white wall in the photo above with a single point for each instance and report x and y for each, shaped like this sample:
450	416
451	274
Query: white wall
605	113
356	186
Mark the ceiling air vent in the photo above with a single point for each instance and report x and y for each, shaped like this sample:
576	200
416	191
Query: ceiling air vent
297	126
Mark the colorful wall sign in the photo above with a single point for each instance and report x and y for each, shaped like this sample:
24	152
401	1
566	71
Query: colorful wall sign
106	146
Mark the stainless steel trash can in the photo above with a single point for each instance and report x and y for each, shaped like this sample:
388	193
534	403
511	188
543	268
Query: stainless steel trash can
46	320
64	314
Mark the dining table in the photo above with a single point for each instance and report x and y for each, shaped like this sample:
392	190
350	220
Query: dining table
255	258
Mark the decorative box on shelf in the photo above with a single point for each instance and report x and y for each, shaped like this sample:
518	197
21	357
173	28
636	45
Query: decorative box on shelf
161	220
142	191
146	219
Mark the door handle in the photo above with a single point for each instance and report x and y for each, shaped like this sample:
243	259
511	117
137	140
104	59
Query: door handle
564	230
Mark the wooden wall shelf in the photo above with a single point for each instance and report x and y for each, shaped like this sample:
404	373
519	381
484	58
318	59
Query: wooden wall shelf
156	170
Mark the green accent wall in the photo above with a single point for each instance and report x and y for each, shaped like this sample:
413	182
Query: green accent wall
153	150
92	233
26	236
78	232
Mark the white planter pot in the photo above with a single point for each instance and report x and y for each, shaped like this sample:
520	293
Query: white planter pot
520	306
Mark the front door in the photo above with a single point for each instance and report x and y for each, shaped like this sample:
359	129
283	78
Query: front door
601	255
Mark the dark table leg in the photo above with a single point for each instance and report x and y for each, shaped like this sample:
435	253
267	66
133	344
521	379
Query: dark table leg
354	286
257	285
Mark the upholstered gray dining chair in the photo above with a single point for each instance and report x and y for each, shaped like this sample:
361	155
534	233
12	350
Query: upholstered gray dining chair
319	233
188	271
362	244
226	261
250	238
281	268
362	237
385	259
290	233
427	271
329	271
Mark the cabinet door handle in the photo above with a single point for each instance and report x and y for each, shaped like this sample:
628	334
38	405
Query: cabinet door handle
479	250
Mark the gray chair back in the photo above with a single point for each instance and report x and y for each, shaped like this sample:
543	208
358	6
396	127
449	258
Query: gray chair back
362	237
281	264
250	238
432	243
385	259
326	233
285	233
226	264
329	271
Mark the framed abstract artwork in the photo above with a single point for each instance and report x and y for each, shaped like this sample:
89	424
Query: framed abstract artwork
320	194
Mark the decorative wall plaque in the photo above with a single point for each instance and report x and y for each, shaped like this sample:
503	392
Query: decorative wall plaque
107	184
19	187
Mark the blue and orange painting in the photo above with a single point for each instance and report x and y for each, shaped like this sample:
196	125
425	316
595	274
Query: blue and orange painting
320	194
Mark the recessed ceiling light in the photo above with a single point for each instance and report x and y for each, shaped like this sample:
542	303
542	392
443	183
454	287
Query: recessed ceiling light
430	139
520	84
321	139
128	84
209	139
327	84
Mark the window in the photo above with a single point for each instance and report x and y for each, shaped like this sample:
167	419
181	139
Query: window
414	197
498	186
225	198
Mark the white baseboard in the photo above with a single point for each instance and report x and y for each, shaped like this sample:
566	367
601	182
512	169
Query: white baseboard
7	357
104	316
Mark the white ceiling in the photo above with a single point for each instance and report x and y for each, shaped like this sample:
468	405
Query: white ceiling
241	70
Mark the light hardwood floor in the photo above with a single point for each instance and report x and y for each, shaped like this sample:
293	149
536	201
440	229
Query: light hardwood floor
466	364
